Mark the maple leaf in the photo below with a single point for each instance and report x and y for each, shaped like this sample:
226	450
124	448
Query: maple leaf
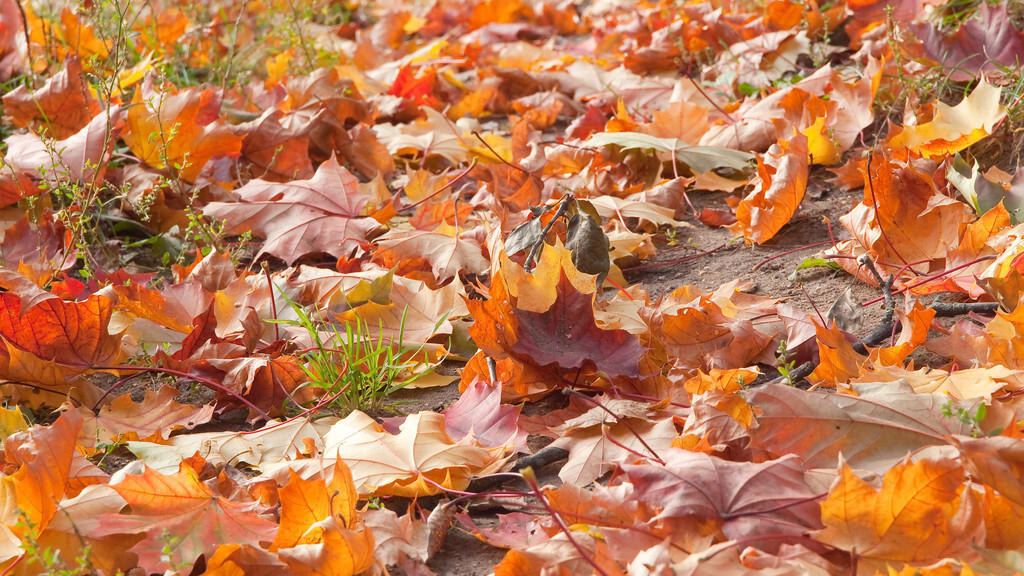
12	51
985	42
239	560
153	418
873	430
182	506
778	190
921	513
953	129
547	318
301	217
43	457
261	449
597	441
71	36
998	462
178	130
709	331
448	256
479	417
278	150
903	217
411	463
72	532
81	157
560	556
749	499
319	532
55	340
40	249
60	108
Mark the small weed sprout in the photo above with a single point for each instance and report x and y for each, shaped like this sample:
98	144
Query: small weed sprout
356	367
49	559
965	416
786	363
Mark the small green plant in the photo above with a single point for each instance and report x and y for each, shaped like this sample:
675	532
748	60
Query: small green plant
965	416
786	363
49	560
356	367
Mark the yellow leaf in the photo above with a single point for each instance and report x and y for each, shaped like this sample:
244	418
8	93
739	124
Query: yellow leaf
954	128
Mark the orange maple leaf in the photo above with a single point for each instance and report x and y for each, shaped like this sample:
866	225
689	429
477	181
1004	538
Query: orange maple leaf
181	507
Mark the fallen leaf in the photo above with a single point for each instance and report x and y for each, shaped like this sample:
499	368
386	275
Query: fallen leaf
778	190
921	513
301	217
179	130
954	128
181	505
747	500
873	430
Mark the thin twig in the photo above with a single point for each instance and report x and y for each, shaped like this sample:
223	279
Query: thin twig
619	420
563	205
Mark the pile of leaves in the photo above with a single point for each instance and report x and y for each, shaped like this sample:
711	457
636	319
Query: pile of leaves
211	195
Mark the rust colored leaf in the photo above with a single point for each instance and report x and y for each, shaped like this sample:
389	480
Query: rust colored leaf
546	319
873	430
278	150
301	217
748	499
55	340
152	419
61	108
904	218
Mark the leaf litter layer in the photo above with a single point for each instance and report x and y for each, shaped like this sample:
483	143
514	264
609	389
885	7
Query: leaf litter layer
676	288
